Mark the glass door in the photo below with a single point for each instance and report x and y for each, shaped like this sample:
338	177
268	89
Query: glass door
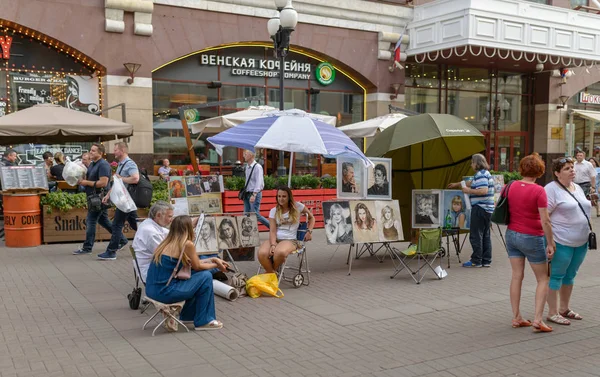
508	151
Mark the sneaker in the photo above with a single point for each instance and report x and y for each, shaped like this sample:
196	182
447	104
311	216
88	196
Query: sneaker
82	252
471	264
107	255
487	265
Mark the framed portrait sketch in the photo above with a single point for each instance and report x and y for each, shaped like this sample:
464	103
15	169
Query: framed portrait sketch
206	236
212	183
227	232
378	180
454	210
426	208
193	186
364	223
177	188
338	222
387	213
248	227
206	203
350	175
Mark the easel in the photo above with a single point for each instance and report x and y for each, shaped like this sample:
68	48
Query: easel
370	248
453	233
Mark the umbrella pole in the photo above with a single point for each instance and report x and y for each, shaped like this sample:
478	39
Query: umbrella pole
422	163
291	166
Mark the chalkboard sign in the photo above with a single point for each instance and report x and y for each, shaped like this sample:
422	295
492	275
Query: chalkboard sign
23	177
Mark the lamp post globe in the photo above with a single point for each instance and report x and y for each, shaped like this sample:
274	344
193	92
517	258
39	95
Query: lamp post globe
288	18
280	4
273	26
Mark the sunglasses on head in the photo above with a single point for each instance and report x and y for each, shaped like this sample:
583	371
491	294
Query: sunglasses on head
565	160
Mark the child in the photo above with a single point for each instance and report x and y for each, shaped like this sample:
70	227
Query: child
425	211
458	212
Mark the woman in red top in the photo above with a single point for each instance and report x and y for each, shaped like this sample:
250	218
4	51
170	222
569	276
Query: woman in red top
529	235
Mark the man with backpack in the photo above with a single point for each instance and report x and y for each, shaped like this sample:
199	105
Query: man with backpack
128	171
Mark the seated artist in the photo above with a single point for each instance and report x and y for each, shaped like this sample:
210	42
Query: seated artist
284	220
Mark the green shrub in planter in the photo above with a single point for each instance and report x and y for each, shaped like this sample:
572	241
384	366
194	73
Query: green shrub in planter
234	183
270	182
328	183
508	175
63	201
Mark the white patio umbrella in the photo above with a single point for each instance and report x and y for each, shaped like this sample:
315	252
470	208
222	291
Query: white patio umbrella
224	122
370	127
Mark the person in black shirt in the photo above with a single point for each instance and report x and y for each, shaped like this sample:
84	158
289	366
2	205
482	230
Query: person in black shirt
381	186
57	170
98	175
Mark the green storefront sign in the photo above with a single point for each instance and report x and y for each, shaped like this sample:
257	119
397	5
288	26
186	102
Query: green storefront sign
325	73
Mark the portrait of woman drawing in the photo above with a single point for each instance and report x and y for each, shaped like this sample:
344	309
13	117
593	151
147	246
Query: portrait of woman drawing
390	224
364	225
227	233
338	225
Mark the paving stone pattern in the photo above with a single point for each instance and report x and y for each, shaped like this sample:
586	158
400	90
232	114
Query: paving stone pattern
65	315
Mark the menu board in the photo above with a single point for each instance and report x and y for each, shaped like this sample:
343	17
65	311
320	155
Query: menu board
23	177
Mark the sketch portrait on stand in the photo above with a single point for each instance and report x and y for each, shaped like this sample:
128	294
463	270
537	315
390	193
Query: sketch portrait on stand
378	179
207	237
176	188
425	208
248	227
364	224
338	223
350	178
454	210
227	234
193	186
389	220
212	183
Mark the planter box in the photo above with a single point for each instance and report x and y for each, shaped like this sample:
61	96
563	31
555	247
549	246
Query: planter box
70	226
312	198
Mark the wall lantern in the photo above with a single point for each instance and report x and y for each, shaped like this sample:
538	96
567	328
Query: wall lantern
132	68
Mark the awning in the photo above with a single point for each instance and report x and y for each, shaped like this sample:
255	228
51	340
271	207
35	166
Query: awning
592	115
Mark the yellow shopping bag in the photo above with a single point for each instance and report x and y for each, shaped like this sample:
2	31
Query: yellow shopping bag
263	283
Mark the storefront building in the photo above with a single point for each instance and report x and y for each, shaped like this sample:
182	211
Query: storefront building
516	69
191	53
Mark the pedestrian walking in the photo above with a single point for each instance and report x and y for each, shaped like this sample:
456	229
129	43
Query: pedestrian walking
128	171
255	183
97	178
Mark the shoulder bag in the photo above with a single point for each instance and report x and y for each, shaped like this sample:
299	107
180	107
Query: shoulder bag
501	215
242	195
140	192
94	200
592	235
183	273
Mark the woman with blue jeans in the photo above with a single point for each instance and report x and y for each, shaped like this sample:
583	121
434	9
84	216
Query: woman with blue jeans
529	235
571	231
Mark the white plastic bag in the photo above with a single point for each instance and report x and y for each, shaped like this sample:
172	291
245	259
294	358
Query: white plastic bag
120	196
73	171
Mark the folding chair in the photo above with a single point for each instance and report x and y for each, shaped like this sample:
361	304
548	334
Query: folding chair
302	268
168	310
428	249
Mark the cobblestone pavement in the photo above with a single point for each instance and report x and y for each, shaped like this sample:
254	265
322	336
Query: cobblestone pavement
65	315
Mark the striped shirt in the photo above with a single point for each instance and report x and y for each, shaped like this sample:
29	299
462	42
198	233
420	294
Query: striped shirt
482	179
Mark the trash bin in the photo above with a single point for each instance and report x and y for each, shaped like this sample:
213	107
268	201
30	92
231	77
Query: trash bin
22	220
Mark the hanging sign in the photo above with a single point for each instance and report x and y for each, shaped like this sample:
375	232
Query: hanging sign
325	73
589	98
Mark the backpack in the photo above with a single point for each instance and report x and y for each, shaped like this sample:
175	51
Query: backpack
141	193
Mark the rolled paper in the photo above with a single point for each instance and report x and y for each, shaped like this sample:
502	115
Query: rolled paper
226	291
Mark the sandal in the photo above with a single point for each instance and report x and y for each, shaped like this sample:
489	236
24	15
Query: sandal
541	327
559	319
520	323
571	315
212	325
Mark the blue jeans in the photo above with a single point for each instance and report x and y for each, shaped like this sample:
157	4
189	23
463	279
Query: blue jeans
93	218
118	238
481	242
255	207
565	264
521	245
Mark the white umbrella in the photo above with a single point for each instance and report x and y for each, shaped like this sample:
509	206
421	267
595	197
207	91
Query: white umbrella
370	127
224	122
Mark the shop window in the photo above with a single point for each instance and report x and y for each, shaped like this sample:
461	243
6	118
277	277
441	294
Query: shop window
422	75
469	106
293	99
168	96
233	92
465	78
422	100
542	1
513	83
575	3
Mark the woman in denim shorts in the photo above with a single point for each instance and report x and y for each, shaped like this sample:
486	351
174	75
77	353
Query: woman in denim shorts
529	235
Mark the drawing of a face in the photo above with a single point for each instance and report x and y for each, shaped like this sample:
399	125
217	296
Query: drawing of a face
362	215
205	231
349	175
425	206
227	230
379	177
337	216
246	225
456	206
387	213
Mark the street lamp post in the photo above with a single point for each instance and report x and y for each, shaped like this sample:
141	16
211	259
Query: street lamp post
280	29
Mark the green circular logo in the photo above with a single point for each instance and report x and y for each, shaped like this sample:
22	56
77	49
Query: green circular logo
325	73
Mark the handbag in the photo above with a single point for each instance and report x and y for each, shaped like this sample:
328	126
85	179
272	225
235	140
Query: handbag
238	281
501	215
94	200
243	194
592	236
183	273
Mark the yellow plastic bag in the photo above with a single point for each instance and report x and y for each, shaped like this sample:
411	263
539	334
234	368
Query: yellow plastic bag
263	283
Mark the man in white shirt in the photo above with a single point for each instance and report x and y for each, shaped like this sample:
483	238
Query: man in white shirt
255	183
585	174
150	233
